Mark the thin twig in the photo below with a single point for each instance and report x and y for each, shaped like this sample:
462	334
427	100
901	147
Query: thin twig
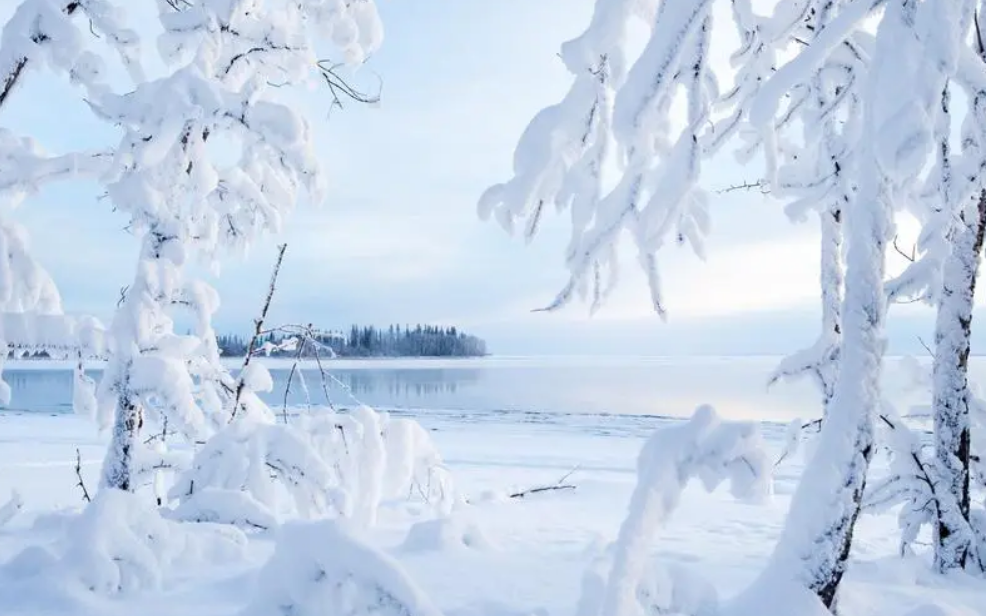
759	184
78	473
910	257
258	325
979	37
338	85
926	347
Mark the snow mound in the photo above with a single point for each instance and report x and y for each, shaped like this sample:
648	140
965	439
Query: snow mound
11	508
318	568
443	534
120	544
775	595
660	589
218	506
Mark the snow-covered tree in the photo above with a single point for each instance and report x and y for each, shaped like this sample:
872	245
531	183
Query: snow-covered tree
952	209
864	103
187	200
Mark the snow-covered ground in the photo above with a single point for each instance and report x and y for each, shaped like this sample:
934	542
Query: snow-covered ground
526	555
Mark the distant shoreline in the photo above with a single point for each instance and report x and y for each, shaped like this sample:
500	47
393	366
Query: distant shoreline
491	361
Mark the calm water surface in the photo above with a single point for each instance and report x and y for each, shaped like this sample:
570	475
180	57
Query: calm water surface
669	387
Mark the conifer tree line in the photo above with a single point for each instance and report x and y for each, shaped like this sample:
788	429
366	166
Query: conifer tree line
367	341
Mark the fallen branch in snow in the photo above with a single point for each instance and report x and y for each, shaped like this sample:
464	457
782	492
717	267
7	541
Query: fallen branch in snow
558	485
78	473
13	506
258	327
525	493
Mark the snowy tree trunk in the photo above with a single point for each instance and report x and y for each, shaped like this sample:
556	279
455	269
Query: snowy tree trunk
118	466
951	390
139	309
832	283
817	536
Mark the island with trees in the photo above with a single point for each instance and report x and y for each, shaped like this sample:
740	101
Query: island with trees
365	341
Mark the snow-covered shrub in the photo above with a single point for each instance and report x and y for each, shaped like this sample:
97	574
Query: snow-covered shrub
381	458
414	466
121	544
706	448
445	533
324	464
319	568
252	473
910	482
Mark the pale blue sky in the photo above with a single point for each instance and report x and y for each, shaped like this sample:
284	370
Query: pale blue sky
398	240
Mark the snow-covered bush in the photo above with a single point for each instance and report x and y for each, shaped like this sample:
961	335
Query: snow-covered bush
324	464
705	448
252	473
910	482
319	568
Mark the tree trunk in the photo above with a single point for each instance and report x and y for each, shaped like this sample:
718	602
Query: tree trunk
832	282
118	465
815	544
139	309
951	390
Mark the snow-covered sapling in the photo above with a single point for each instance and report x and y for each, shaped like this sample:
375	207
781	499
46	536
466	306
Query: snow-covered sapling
705	448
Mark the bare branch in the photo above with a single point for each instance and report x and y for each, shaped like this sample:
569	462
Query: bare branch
558	485
926	347
759	184
340	88
910	257
258	325
78	473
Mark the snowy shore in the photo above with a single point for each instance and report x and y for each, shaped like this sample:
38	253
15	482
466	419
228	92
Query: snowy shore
529	554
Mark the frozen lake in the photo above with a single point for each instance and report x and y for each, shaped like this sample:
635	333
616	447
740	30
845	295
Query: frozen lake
488	387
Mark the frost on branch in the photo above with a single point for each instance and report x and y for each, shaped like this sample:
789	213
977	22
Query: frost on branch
560	156
53	34
705	448
320	568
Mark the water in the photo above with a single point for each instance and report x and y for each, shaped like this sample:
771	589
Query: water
539	388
